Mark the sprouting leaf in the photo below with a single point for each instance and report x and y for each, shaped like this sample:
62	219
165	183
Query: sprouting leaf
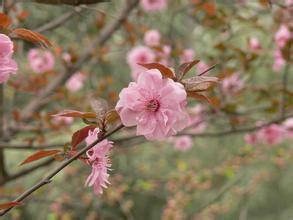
165	71
39	155
100	107
75	114
5	21
185	67
199	83
111	116
80	135
9	205
32	36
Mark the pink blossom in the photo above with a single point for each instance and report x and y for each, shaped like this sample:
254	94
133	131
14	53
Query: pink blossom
75	82
139	54
279	61
40	60
187	55
153	104
153	5
289	2
282	36
99	161
7	65
232	84
62	120
66	57
272	134
288	126
152	38
201	67
251	138
182	143
164	55
254	44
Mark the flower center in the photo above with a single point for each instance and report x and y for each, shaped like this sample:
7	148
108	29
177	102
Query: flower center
153	105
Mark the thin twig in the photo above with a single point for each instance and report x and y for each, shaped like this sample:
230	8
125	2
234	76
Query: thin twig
48	178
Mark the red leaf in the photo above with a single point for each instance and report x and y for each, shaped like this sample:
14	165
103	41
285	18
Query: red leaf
5	21
213	101
39	155
76	114
185	67
165	71
32	36
9	205
80	135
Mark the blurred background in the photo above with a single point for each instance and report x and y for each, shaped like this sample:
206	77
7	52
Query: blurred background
234	161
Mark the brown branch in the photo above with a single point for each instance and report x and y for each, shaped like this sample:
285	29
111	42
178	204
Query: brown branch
48	178
70	2
58	21
9	146
26	171
36	103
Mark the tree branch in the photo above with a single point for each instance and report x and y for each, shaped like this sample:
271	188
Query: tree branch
48	178
36	103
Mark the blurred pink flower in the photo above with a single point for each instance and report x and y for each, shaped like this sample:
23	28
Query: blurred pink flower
164	55
75	82
232	84
279	61
187	55
7	65
153	5
155	105
289	2
288	126
251	138
139	54
282	36
272	134
152	38
254	44
62	120
66	57
99	161
182	143
201	67
40	60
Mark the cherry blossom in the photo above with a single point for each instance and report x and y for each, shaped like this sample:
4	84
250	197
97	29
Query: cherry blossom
271	134
153	104
288	126
254	44
75	82
41	60
139	54
187	55
232	84
152	38
7	65
99	161
279	61
182	143
153	5
282	36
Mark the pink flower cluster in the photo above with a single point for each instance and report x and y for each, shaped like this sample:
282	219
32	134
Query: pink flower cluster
98	158
282	36
7	65
75	82
182	143
153	5
151	52
232	84
272	134
153	104
41	61
254	44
